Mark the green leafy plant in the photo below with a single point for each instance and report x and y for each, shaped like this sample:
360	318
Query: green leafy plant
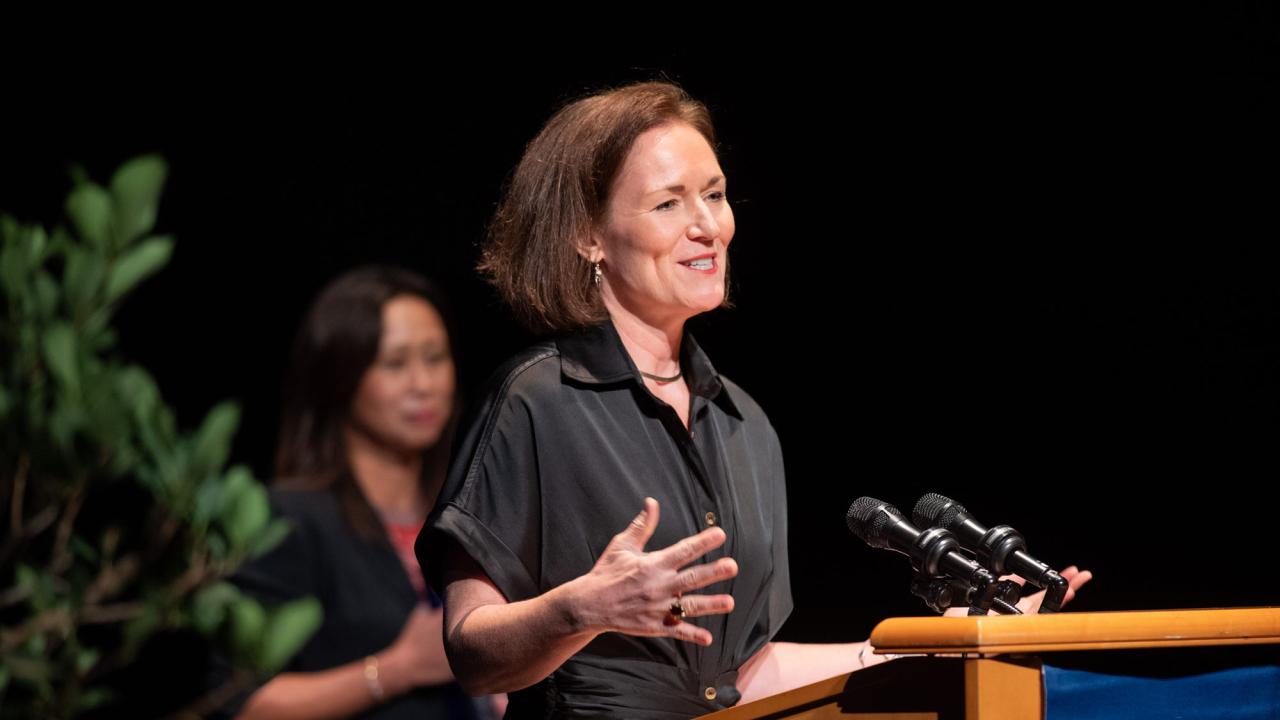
119	525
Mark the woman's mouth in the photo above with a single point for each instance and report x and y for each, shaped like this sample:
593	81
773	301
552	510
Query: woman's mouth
703	264
425	417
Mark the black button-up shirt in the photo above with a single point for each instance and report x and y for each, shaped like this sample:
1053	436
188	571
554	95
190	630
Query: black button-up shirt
558	459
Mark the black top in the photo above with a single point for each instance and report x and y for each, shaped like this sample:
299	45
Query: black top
366	594
559	458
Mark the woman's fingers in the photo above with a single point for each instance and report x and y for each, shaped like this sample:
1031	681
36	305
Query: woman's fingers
1076	579
699	605
638	532
690	548
690	633
700	576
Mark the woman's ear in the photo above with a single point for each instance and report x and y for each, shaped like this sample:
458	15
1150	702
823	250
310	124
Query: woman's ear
591	247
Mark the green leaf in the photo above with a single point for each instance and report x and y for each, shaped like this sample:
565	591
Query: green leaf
8	226
208	501
123	460
96	322
13	265
103	340
46	296
209	607
38	244
247	622
86	659
139	628
136	190
139	391
237	481
247	517
89	207
93	697
288	629
60	240
26	578
139	263
104	409
217	545
82	279
60	355
213	439
35	645
83	549
166	425
136	384
271	536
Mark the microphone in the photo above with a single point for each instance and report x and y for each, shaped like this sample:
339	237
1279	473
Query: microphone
933	552
1000	549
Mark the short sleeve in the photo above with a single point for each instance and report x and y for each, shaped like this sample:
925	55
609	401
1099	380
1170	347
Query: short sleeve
780	602
491	504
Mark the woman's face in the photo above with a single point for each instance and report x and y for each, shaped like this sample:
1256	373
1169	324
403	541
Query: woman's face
667	227
405	398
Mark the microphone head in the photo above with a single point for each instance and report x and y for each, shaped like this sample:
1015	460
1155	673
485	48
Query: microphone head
867	518
934	510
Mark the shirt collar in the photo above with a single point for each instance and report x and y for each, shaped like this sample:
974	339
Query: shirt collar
597	356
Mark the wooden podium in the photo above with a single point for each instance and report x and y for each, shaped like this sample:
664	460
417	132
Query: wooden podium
953	673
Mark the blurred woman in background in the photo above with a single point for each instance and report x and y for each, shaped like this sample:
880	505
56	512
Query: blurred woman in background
368	412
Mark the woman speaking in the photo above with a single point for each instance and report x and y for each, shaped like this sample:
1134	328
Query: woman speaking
612	535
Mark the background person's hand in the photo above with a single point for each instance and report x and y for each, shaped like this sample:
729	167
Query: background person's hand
417	656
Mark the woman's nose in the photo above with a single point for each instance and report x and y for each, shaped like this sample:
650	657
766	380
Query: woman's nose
703	225
421	378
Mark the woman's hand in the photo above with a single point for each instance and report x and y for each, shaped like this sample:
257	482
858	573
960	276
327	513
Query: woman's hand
1075	577
1030	605
631	591
501	646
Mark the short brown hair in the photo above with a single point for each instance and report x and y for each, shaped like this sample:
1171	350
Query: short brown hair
558	193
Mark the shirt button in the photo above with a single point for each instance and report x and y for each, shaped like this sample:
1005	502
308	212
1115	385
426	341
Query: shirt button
709	693
710	517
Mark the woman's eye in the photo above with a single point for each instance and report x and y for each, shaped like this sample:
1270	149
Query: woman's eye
666	205
716	196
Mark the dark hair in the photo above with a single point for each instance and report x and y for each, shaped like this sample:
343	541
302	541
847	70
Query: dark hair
559	192
336	343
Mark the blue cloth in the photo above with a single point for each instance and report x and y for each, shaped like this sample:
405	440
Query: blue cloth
1239	694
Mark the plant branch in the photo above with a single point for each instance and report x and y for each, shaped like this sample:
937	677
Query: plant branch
207	704
60	559
19	491
56	619
119	612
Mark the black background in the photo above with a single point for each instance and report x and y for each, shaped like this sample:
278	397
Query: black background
1028	264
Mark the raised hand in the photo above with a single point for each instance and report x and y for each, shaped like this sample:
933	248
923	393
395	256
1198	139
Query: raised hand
632	591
